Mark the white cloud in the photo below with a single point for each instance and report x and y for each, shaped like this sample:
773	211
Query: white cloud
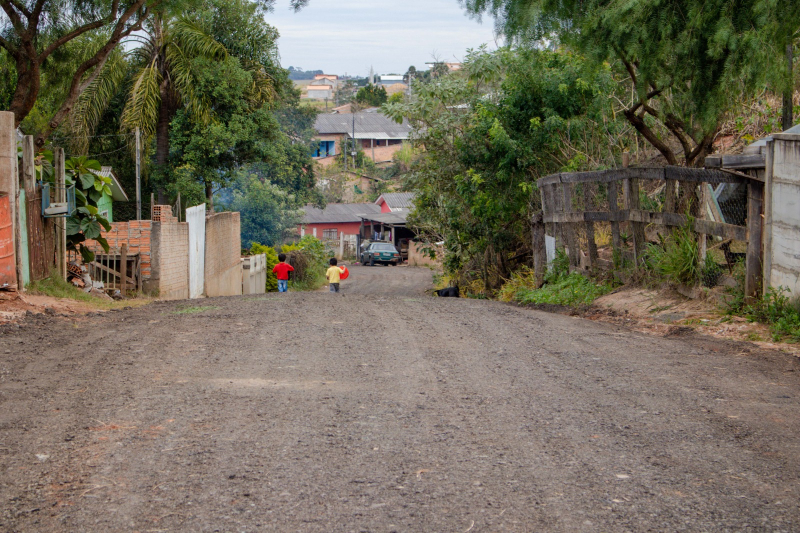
349	36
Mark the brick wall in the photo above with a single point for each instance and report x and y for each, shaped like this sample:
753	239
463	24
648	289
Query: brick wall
137	234
170	269
223	265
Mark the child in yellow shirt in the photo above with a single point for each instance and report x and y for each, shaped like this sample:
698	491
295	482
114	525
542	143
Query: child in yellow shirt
333	274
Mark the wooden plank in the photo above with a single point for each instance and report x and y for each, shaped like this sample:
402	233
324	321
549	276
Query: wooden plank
614	208
702	239
123	267
713	161
744	161
110	272
634	203
696	175
569	228
670	196
755	205
592	244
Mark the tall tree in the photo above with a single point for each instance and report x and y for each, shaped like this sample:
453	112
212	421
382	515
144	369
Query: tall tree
35	31
687	60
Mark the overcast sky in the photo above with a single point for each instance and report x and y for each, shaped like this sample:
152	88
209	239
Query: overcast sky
347	36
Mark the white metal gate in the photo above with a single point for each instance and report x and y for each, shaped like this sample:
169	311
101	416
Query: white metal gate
196	217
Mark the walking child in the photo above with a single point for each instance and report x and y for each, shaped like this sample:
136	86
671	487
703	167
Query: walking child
334	275
281	270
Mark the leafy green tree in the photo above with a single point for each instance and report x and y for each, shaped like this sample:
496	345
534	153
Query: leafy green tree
687	60
35	34
267	211
371	95
488	133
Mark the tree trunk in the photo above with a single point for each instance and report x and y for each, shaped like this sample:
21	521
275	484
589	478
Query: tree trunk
27	90
210	196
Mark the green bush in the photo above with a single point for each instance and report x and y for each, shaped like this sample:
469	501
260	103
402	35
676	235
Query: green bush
776	310
560	287
571	290
272	260
677	258
310	261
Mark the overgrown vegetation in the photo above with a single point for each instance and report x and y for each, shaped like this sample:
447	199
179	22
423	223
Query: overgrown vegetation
560	287
774	309
676	258
310	261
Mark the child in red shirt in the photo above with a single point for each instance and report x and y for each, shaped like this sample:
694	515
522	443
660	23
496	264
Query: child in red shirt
281	270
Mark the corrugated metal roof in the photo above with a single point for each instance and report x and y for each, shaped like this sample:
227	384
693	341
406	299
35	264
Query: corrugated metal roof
118	194
395	218
367	126
338	213
397	200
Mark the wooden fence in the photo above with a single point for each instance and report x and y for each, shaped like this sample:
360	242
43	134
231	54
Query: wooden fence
108	269
634	205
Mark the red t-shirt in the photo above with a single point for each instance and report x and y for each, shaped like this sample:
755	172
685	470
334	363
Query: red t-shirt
282	270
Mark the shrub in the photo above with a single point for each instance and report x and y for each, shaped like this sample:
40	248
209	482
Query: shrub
677	258
272	260
310	261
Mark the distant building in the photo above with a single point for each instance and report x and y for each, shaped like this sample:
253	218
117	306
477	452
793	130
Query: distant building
379	136
391	79
320	89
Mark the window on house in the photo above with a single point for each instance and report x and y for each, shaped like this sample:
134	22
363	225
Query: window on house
330	234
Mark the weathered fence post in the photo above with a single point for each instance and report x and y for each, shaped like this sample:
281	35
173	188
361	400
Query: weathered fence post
572	242
755	204
123	268
702	238
614	207
539	250
61	229
634	204
592	244
768	229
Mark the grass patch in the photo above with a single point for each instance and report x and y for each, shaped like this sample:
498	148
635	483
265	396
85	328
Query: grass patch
572	290
194	309
55	287
560	287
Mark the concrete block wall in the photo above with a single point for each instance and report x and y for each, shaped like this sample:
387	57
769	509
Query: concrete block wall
170	268
223	263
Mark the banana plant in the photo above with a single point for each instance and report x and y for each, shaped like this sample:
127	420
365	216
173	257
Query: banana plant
86	223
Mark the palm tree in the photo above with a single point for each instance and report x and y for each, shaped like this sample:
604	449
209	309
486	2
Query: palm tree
163	80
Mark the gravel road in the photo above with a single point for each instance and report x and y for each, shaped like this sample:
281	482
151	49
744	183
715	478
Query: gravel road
382	409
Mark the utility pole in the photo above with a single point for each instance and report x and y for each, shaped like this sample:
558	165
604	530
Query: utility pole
354	141
138	176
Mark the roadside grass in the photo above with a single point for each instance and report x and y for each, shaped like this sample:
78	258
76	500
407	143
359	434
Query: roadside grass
194	309
560	286
572	290
55	287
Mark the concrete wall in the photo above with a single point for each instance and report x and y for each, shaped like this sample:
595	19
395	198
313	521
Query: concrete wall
223	263
170	262
782	214
417	258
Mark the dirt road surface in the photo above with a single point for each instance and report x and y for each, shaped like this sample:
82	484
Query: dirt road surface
382	409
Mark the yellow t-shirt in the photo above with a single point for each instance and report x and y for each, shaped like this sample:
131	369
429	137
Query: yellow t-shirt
333	274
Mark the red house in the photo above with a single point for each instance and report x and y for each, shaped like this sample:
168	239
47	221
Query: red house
326	224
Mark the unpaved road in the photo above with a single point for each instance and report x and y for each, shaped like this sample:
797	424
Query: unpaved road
381	409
